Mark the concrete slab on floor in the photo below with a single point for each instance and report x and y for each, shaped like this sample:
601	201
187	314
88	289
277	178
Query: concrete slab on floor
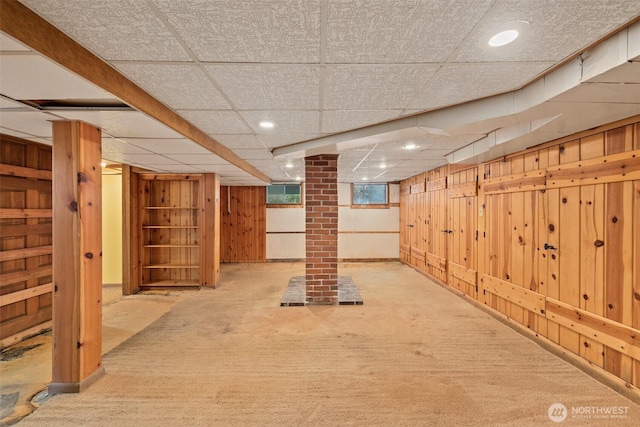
295	295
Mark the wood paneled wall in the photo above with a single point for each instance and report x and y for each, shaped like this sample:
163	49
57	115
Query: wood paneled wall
548	237
25	239
243	236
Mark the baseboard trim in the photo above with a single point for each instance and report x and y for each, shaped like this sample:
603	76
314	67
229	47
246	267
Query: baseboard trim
59	388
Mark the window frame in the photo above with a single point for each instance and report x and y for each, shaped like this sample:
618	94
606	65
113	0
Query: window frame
285	205
369	205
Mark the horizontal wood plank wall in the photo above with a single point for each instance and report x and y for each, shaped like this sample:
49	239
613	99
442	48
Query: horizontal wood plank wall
558	247
243	234
25	238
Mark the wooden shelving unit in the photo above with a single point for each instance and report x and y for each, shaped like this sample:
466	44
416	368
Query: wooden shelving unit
172	231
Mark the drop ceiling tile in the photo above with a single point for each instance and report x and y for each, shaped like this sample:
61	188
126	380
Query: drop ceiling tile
148	159
279	140
248	31
8	44
458	83
9	104
286	122
254	154
33	123
197	159
555	31
35	77
118	30
239	141
334	121
123	124
168	146
266	86
370	87
179	168
264	163
383	31
219	168
178	86
216	122
114	146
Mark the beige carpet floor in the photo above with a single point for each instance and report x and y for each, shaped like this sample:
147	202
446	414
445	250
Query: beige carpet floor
413	355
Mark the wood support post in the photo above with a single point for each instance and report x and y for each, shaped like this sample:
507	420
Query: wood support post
210	254
77	258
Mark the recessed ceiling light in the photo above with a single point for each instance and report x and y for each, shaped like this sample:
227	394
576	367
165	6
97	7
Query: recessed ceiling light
266	125
382	165
288	165
365	178
410	146
298	178
503	38
103	164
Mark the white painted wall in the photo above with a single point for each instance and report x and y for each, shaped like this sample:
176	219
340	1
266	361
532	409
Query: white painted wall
362	233
285	233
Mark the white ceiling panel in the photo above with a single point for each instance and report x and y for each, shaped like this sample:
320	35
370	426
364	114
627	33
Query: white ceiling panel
26	77
254	154
6	104
168	146
266	86
385	86
340	120
8	44
115	30
382	31
458	83
178	86
123	124
216	122
179	168
248	31
31	123
113	146
148	159
239	141
556	29
198	159
286	122
279	140
220	168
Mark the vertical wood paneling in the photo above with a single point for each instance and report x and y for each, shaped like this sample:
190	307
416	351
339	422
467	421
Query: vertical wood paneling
243	224
575	246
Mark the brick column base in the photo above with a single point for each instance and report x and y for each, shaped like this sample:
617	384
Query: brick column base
321	205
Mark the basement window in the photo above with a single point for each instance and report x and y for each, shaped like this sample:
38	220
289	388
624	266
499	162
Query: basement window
369	195
284	194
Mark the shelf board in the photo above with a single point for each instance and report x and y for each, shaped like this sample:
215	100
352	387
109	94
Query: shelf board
171	266
171	226
171	246
169	208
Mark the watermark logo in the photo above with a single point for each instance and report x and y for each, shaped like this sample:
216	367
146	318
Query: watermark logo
557	412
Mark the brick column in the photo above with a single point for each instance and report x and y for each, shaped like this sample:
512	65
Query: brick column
321	205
